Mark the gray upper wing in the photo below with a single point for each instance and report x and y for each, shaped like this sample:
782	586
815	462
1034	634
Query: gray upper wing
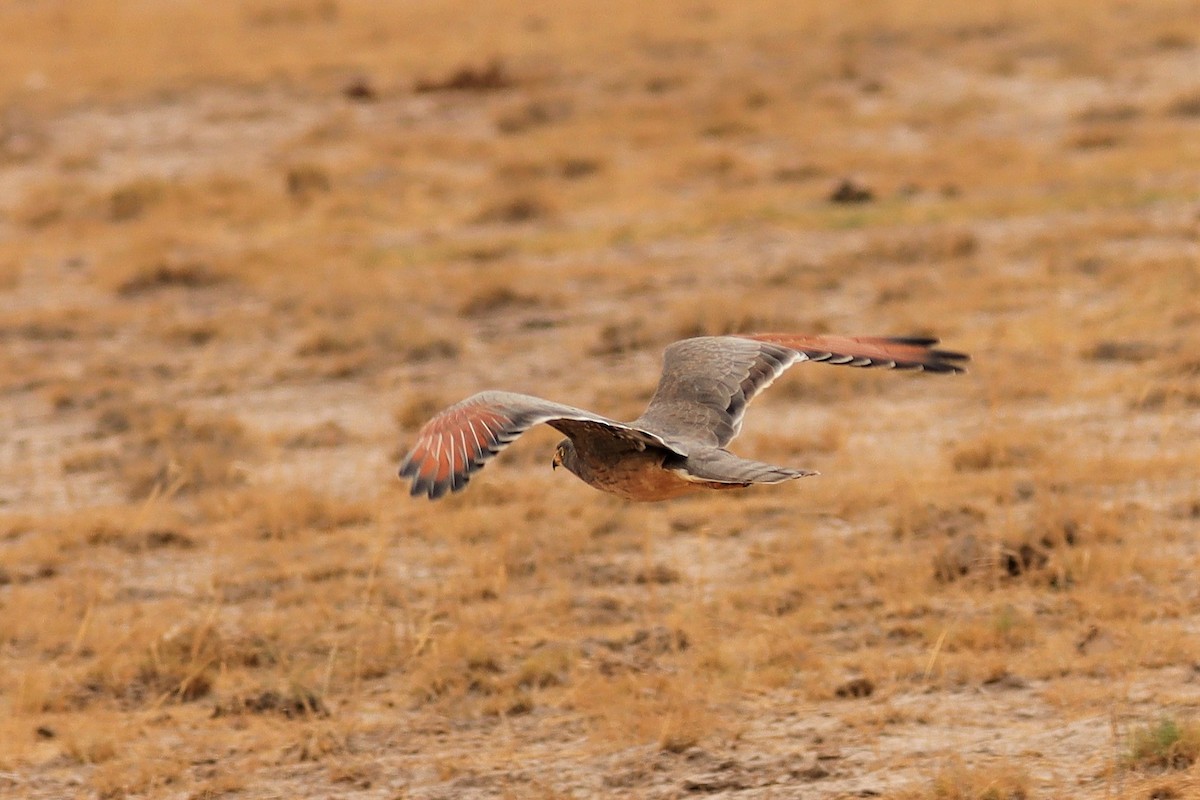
706	384
708	381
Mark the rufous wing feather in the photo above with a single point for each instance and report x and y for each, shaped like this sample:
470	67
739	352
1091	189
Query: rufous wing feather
454	444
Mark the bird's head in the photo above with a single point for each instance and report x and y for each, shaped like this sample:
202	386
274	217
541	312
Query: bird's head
564	455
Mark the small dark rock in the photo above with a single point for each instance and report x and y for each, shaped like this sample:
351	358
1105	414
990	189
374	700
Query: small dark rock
1133	352
360	90
710	784
851	191
489	78
856	687
812	773
1005	680
173	272
657	574
304	181
659	639
514	210
169	538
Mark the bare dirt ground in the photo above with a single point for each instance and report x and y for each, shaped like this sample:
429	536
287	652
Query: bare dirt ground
247	249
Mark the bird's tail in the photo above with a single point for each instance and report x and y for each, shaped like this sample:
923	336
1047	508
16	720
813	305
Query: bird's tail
722	467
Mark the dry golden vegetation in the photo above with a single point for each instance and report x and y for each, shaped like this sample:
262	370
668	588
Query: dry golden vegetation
247	248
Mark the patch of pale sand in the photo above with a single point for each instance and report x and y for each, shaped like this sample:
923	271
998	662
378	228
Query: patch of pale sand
361	468
33	441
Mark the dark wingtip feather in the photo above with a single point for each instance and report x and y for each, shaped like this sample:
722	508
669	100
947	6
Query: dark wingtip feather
950	355
946	361
918	341
940	361
435	490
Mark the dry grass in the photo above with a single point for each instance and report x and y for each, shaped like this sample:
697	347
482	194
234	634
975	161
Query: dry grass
247	249
1166	744
959	782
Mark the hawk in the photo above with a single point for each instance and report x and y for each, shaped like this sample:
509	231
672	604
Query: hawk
677	445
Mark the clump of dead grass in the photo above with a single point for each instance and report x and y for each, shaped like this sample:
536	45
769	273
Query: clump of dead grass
122	777
1133	351
620	338
457	663
492	76
306	181
329	341
173	272
637	708
352	335
153	666
292	13
138	538
993	451
935	245
534	114
90	459
1185	105
192	334
933	520
497	299
1177	395
1052	546
131	200
40	325
959	781
90	745
295	701
1168	743
515	210
280	514
167	449
1005	627
322	435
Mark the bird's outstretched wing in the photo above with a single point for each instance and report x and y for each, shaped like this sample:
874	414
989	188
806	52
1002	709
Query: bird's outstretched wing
462	438
707	382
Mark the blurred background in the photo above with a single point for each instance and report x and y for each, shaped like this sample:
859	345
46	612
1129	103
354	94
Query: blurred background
248	248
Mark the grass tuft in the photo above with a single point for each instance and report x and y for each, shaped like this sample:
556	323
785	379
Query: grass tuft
173	273
490	77
1166	744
